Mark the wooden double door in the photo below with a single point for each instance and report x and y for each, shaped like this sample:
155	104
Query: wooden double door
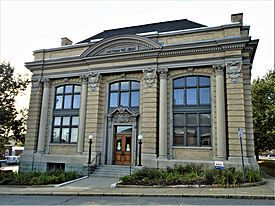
122	149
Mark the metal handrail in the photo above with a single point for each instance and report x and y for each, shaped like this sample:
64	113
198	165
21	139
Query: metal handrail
97	160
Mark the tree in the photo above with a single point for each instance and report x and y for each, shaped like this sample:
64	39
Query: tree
263	91
12	122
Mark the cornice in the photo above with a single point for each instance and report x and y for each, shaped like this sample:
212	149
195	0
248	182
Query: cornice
190	48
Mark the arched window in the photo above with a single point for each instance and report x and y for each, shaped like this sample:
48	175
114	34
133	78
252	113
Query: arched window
125	94
66	114
192	111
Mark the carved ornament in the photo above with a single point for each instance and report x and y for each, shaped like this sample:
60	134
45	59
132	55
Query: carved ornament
233	70
93	80
150	76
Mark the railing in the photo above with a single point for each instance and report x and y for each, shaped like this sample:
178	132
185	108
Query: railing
96	161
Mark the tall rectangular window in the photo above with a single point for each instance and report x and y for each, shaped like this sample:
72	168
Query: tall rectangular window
66	111
192	111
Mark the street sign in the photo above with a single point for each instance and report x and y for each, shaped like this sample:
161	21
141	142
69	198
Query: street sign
240	132
219	165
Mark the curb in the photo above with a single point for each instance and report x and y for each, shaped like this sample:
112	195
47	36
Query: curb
137	194
192	186
71	181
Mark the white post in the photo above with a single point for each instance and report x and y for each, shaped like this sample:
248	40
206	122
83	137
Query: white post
220	112
163	114
82	114
43	117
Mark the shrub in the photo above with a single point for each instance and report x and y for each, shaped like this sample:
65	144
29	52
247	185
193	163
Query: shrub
190	174
36	178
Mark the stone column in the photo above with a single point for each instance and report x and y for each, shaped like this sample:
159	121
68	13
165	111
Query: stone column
220	113
82	114
163	114
43	117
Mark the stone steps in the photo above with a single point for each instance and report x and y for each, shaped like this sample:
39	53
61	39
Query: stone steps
112	171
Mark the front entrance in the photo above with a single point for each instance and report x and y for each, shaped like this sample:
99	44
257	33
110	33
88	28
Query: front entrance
122	145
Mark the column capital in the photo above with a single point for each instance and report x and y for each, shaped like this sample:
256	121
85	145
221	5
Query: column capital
84	78
163	73
219	68
93	80
150	75
46	82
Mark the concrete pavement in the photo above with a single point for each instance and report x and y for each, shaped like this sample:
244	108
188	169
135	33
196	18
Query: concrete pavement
103	186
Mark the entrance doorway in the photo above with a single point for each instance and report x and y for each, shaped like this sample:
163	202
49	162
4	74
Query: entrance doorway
122	145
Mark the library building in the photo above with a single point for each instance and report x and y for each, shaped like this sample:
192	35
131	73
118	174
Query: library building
152	95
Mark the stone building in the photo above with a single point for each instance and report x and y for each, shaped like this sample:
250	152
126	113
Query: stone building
183	86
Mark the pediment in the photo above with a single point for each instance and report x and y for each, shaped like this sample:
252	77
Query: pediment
122	115
120	45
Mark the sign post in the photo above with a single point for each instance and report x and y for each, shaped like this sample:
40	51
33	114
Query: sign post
240	133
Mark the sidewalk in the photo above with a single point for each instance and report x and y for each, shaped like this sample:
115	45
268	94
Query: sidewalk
101	186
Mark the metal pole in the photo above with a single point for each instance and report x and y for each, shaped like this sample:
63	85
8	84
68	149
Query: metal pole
240	132
139	159
89	157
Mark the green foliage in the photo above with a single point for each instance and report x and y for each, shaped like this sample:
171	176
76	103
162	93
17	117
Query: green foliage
36	178
190	175
12	122
263	91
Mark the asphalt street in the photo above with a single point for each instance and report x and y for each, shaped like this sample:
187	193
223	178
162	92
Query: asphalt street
102	200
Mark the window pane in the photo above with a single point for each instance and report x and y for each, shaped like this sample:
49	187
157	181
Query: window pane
191	96
191	81
125	86
56	135
74	132
178	136
76	103
66	121
57	121
205	136
204	95
124	129
69	89
135	85
77	89
114	87
191	136
204	81
59	90
58	102
179	120
113	100
192	119
124	99
65	135
135	99
205	119
178	96
67	101
179	82
75	120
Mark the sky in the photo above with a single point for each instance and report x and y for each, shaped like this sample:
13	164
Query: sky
31	25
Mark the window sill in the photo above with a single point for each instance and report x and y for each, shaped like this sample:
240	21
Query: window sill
192	147
63	144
